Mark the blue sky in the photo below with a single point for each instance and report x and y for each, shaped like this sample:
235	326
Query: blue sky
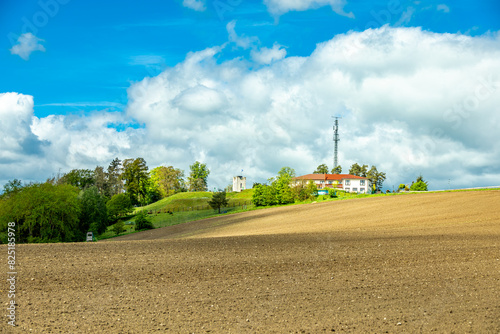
84	61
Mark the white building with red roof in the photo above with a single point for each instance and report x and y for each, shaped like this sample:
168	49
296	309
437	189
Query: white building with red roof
346	182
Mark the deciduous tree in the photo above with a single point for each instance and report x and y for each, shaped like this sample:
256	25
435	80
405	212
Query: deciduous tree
198	177
278	191
376	178
43	213
284	194
81	178
12	187
337	170
94	214
264	195
119	205
169	180
321	169
135	174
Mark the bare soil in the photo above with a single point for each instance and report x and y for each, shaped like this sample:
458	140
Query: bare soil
412	263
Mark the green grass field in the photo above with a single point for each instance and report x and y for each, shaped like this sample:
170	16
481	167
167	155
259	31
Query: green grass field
195	200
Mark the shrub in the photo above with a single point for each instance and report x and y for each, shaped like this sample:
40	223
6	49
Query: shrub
419	186
118	227
142	222
119	205
264	195
332	192
312	190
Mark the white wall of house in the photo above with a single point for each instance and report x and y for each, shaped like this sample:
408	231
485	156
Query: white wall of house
356	186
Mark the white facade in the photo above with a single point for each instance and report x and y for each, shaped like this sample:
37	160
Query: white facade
239	183
356	186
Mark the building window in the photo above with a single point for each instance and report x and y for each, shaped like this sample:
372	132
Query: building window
355	190
347	182
329	182
347	189
362	182
361	190
321	182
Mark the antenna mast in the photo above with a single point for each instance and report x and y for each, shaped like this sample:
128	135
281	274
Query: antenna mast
336	140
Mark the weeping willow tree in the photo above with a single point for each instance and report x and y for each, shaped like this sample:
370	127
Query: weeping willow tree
42	213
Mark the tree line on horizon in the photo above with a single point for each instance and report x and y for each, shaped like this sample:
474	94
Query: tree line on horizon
65	207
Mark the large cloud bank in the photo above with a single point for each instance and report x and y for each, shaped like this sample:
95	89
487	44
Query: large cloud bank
411	102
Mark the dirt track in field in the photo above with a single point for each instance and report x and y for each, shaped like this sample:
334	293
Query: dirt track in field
413	263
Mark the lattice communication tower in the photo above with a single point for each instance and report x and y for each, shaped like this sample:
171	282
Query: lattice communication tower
336	140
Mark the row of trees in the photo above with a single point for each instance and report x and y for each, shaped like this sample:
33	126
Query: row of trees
132	176
65	207
323	169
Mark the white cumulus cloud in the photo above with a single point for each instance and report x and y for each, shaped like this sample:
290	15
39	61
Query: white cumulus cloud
16	112
27	43
279	7
411	102
407	96
443	8
244	42
267	56
197	5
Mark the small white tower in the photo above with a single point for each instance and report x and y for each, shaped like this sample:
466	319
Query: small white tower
239	183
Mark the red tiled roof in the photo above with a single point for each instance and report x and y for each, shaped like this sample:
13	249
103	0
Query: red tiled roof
328	177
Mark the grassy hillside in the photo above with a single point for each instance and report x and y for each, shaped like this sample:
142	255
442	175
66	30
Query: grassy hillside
187	206
187	200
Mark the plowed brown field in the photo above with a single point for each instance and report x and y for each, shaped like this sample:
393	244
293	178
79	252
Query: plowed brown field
414	263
